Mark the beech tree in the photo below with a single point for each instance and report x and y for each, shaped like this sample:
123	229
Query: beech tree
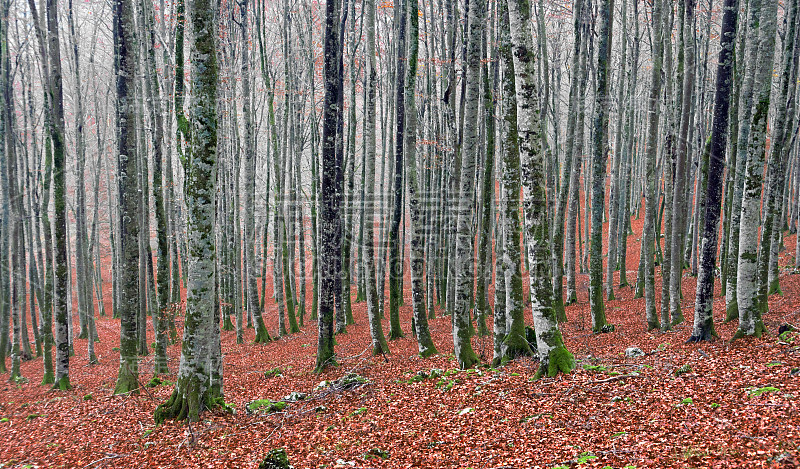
747	297
127	169
553	355
199	384
703	328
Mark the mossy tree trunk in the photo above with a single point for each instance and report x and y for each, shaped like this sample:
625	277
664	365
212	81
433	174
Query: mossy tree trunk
199	384
510	331
128	196
464	251
599	158
745	108
768	252
750	323
553	355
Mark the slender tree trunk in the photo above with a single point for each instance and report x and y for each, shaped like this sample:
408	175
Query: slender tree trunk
679	202
599	158
553	355
772	227
745	103
128	196
747	271
330	191
649	232
199	384
703	328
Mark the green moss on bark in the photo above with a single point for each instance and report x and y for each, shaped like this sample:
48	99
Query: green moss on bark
63	384
558	360
262	336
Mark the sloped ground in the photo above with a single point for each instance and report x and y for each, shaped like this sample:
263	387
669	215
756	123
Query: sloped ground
734	405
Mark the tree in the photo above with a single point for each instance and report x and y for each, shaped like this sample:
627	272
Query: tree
395	260
681	162
566	174
703	328
510	338
56	99
146	17
424	341
127	169
199	384
750	323
599	158
768	250
379	345
649	230
553	355
744	102
330	190
464	259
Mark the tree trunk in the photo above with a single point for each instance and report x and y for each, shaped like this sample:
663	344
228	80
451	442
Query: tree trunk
510	340
599	158
553	355
330	191
703	329
199	383
750	323
128	196
742	154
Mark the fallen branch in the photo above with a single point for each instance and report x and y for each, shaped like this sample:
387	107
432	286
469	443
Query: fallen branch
614	378
106	457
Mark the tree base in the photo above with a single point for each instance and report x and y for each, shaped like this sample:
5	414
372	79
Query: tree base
49	378
227	325
558	360
262	336
732	312
182	407
516	346
759	330
707	334
127	382
63	384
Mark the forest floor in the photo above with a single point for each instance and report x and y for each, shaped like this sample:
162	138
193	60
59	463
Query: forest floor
716	404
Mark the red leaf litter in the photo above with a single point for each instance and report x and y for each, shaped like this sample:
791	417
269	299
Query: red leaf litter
717	404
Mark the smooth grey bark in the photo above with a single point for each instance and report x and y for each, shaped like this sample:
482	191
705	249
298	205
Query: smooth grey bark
424	342
146	18
567	172
679	200
251	283
649	232
379	345
750	323
616	176
573	211
553	355
773	203
464	251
